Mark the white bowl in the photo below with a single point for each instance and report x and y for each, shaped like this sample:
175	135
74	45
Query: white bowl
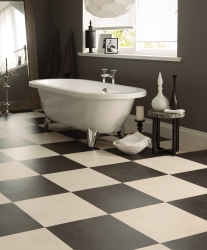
132	150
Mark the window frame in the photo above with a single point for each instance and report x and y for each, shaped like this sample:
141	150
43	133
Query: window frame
134	51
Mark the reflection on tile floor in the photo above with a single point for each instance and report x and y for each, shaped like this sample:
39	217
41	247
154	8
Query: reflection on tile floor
58	194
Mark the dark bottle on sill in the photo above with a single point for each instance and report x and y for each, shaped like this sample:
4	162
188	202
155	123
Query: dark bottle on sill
90	36
174	100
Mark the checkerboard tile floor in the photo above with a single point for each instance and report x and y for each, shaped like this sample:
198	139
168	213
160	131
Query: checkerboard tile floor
58	194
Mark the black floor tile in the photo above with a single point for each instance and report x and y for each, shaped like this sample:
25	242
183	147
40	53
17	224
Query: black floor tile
195	242
68	147
101	233
77	134
13	220
37	121
146	153
52	164
197	156
29	188
128	171
5	158
15	141
198	177
29	130
116	198
196	205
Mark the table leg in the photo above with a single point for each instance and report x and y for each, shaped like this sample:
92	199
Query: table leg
158	133
154	133
177	135
174	136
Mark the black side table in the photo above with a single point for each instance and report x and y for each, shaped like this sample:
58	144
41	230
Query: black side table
156	130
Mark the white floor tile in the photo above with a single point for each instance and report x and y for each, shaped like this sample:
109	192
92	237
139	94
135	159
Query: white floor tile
59	209
167	188
95	158
28	115
15	124
80	179
163	222
130	126
58	127
28	152
183	148
3	200
5	133
104	142
40	239
44	138
14	170
154	247
171	164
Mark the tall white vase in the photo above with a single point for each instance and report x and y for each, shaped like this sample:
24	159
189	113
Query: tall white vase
160	102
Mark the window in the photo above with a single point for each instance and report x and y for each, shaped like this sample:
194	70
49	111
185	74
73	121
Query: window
150	28
12	36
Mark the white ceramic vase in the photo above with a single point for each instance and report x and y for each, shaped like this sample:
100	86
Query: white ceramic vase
160	102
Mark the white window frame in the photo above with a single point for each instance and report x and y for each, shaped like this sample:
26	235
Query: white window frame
129	51
14	34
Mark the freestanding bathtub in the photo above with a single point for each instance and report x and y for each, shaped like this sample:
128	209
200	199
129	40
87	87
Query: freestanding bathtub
86	104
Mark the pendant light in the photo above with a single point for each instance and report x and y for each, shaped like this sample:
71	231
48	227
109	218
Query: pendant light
108	8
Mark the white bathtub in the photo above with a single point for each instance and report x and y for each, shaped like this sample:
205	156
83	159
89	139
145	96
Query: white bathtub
82	105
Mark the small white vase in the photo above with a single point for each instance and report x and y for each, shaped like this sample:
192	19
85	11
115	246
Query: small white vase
160	102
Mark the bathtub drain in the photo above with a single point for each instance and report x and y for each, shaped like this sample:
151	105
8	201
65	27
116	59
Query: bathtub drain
104	90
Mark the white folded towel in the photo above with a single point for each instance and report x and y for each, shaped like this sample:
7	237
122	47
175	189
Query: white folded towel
134	140
177	111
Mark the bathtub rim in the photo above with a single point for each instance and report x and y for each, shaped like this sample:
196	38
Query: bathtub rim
140	92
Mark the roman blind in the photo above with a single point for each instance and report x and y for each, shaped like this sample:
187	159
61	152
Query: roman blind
122	22
156	20
152	21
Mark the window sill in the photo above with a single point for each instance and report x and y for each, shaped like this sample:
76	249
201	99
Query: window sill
15	68
129	56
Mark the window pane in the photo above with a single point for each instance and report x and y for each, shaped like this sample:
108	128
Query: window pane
125	37
156	21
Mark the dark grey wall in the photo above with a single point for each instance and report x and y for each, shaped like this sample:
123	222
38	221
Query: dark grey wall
19	87
41	12
192	40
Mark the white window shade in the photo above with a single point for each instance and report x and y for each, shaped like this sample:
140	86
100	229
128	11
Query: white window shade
12	33
154	24
156	21
122	22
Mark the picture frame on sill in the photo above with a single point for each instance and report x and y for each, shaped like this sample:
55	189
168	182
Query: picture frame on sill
111	46
101	43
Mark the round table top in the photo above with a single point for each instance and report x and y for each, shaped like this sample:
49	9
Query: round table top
159	114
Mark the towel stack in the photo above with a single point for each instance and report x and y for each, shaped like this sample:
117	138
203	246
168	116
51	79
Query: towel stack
135	139
177	111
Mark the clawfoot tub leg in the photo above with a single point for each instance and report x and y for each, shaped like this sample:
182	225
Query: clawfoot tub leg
92	136
121	133
46	123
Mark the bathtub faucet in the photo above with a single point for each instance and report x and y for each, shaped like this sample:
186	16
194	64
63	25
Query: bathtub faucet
112	76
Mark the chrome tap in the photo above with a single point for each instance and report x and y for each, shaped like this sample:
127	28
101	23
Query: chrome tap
104	75
112	76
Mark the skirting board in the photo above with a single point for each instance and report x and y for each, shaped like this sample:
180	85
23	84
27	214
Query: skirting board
187	136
